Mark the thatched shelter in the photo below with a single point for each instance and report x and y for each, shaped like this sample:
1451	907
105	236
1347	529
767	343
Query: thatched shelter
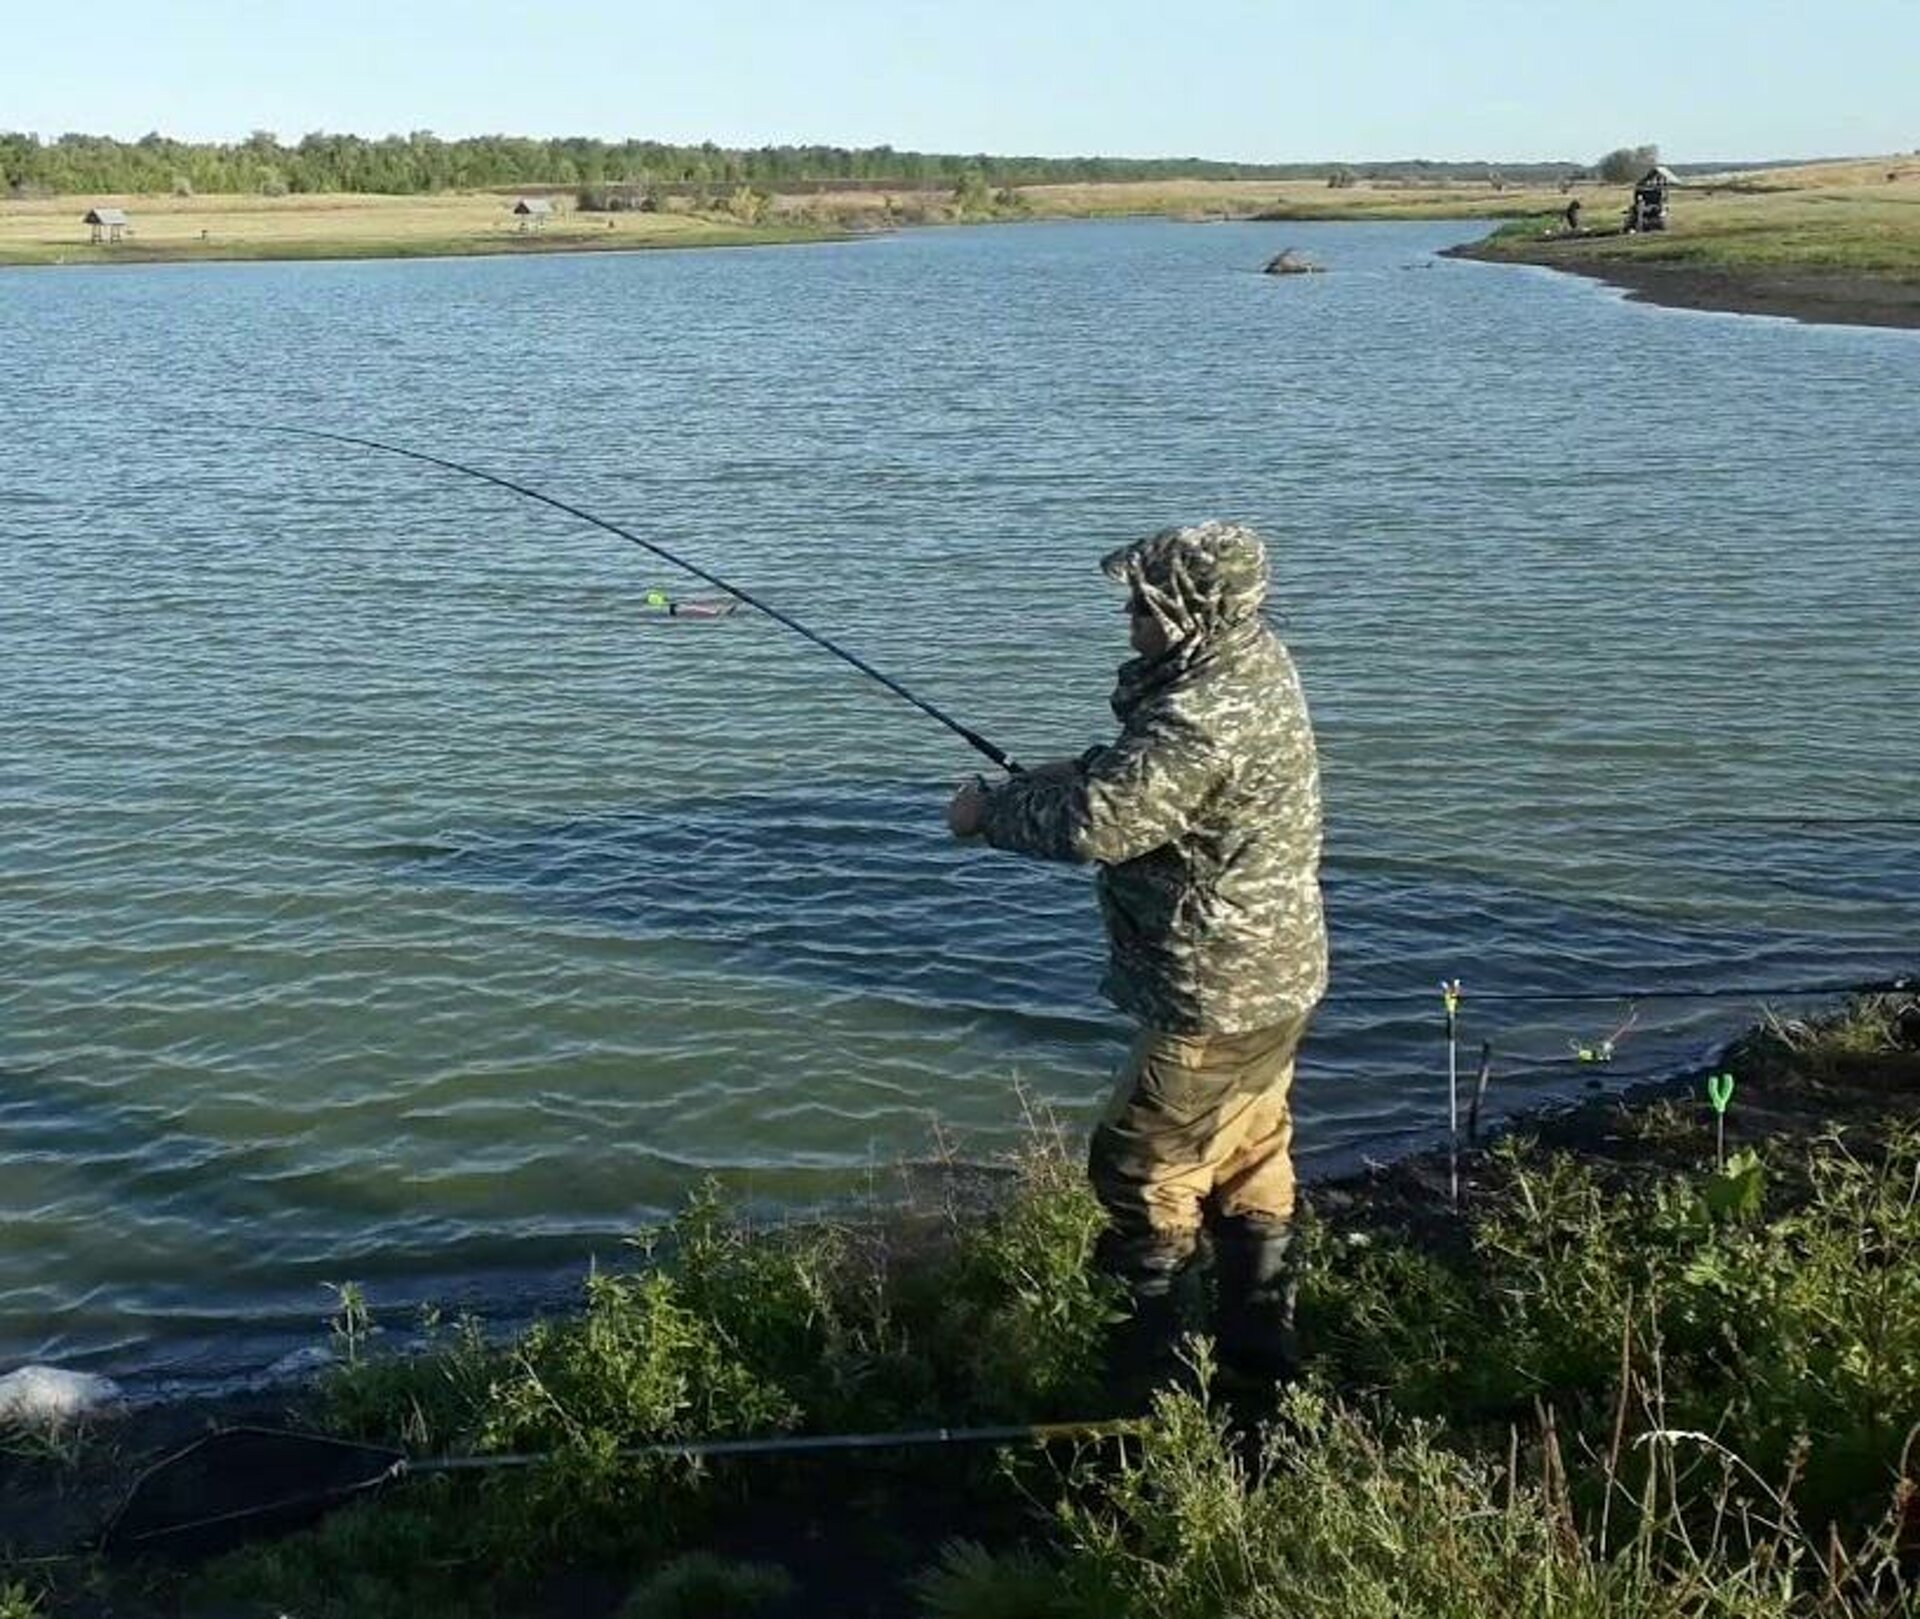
108	223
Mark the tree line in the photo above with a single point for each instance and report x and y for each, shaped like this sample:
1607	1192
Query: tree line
423	162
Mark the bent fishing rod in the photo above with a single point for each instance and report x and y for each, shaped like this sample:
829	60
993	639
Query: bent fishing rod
972	738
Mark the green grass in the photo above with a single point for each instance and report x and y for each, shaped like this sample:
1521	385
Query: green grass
1844	231
1689	1398
1338	1514
699	1586
717	1330
1604	1392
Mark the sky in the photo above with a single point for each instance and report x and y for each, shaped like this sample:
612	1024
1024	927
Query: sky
1278	81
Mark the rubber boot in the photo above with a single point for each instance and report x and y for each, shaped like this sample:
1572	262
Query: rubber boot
1143	1351
1254	1335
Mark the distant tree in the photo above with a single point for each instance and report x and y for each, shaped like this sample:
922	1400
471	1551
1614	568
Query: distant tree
747	205
422	161
971	194
1341	177
1625	164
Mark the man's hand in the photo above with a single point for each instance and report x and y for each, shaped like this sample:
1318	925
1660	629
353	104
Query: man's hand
968	809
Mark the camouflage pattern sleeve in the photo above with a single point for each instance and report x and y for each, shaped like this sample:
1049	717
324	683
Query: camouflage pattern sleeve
1203	815
1118	802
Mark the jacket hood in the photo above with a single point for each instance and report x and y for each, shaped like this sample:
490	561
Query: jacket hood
1199	582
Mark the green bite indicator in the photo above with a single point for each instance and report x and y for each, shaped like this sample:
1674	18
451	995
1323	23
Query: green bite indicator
1720	1093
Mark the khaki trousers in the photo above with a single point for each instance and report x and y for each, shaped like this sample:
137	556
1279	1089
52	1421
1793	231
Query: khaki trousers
1199	1127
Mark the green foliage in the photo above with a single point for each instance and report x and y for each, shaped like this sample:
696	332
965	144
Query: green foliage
641	1364
1688	1303
1603	1398
705	1587
1327	1514
428	1402
748	205
721	1330
1025	1315
351	1322
701	1586
422	1554
1625	164
971	194
1823	1328
18	1601
1737	1192
422	162
970	1582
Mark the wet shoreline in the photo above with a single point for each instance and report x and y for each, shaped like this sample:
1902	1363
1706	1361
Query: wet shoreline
1820	298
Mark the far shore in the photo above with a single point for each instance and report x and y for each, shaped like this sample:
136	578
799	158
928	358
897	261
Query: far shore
1831	243
1837	243
54	231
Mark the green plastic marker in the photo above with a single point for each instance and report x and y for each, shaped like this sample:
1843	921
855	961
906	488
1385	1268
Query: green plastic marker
1720	1093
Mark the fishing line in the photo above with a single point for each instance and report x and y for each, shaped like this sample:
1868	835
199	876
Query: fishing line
1801	820
972	738
1574	997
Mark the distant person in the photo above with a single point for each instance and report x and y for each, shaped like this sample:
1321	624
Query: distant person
1203	817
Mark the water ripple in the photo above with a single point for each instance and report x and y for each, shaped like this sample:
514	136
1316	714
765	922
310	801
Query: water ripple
388	895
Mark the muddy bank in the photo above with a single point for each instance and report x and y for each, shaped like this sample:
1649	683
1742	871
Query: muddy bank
1837	298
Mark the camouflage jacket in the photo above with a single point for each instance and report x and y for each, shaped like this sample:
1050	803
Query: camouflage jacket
1204	813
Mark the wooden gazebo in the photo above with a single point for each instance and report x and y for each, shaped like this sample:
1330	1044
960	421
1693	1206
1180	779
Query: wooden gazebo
108	223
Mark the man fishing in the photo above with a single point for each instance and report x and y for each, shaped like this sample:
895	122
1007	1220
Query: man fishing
1203	817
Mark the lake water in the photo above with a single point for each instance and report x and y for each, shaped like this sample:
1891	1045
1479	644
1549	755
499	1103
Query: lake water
386	896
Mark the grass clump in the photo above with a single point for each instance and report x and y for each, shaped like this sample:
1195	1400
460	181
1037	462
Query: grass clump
700	1586
1333	1514
1603	1391
719	1329
971	1582
1784	1320
1875	1039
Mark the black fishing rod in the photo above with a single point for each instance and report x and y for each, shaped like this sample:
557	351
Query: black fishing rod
972	738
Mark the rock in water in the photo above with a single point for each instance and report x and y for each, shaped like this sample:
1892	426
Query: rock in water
46	1397
1289	262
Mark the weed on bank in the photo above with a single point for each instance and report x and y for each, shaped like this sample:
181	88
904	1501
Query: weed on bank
1598	1393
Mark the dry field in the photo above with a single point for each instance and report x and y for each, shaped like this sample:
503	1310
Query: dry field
1861	217
52	230
1291	199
